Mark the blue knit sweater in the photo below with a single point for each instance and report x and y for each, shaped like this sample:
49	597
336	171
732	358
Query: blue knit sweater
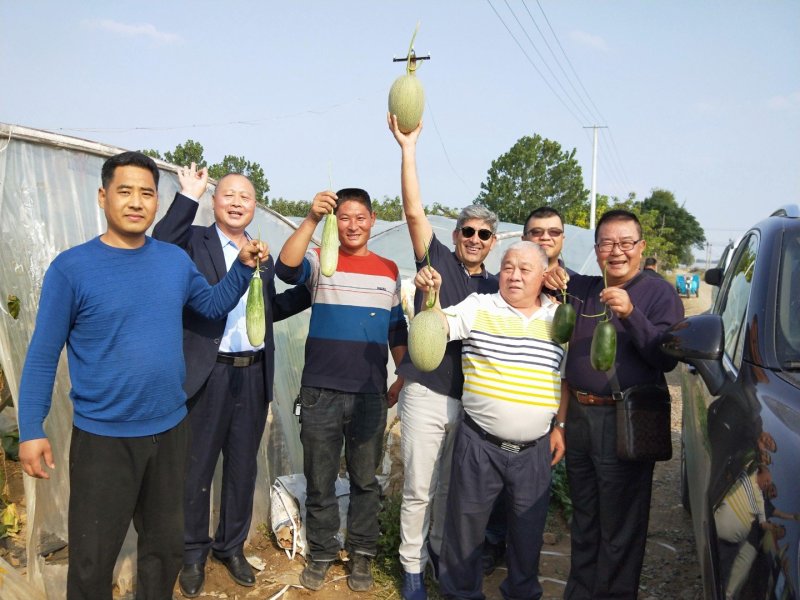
119	312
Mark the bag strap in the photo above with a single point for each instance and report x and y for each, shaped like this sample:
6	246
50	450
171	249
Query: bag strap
616	391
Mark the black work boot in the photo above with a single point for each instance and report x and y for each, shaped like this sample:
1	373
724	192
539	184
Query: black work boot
360	579
313	576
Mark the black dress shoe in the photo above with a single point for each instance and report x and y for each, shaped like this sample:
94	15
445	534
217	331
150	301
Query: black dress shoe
191	579
239	569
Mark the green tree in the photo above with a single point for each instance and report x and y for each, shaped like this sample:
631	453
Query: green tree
388	209
659	238
152	153
444	211
290	208
534	172
187	153
578	213
685	232
242	166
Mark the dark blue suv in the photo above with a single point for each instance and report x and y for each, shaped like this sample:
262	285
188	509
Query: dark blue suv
741	417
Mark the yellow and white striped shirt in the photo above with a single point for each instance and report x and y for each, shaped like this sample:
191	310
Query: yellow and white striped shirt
512	367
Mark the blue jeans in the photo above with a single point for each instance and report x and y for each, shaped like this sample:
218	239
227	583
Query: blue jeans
330	417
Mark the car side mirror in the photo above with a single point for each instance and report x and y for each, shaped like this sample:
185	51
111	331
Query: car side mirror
699	341
714	276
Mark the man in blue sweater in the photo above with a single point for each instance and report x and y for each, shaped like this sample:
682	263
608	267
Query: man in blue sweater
117	302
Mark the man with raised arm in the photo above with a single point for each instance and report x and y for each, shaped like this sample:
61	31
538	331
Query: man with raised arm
356	319
430	403
228	380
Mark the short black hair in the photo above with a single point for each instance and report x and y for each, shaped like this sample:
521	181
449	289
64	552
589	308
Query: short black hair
355	194
543	212
618	214
649	262
127	159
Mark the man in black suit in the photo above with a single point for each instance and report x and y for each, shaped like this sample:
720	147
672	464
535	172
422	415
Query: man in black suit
228	381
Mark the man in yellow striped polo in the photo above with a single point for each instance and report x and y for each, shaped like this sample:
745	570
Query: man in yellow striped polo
512	390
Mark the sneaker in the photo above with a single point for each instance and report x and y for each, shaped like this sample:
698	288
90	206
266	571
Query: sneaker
414	587
492	555
313	576
433	562
360	579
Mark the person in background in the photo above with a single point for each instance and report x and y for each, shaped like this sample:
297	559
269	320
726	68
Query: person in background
116	302
356	319
430	403
650	267
228	381
611	497
508	441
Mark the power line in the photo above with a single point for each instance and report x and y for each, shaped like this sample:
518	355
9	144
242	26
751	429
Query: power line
547	83
544	62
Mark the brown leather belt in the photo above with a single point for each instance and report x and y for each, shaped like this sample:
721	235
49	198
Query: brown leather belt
592	399
240	359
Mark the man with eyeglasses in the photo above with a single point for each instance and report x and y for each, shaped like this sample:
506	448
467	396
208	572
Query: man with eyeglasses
430	403
611	497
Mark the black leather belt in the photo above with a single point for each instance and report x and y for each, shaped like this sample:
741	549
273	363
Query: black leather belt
493	439
240	359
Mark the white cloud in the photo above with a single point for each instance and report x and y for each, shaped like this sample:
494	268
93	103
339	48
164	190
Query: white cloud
587	39
786	102
139	30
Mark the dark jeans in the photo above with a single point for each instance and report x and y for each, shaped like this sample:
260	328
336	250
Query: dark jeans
114	480
611	507
227	416
329	418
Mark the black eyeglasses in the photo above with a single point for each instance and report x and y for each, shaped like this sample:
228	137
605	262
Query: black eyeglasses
537	232
484	234
624	245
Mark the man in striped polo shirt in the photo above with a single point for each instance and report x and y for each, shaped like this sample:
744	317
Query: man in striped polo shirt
512	390
356	318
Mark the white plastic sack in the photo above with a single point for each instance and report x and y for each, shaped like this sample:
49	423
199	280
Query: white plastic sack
288	512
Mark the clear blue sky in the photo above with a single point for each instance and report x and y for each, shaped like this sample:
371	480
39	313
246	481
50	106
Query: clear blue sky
700	98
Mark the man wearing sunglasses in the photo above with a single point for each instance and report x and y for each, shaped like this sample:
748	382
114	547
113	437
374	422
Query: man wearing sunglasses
429	404
544	226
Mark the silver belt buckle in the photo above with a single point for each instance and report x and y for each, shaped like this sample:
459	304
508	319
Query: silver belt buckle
242	361
509	447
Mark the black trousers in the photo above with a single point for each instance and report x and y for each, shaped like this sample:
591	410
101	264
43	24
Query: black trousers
114	480
611	507
227	415
481	472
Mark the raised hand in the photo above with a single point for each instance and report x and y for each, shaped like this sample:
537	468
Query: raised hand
193	182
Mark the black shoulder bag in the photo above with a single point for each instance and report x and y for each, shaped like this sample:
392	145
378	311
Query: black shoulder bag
643	417
643	421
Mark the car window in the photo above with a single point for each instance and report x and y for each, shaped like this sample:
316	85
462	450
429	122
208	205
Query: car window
787	340
735	296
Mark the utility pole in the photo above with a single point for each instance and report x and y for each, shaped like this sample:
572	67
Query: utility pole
593	197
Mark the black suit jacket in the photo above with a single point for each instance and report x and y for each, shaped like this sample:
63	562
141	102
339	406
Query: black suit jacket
201	337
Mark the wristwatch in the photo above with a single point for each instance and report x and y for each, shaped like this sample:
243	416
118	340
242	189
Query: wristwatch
559	424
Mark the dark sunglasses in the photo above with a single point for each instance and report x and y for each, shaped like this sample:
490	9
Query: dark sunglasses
537	232
484	234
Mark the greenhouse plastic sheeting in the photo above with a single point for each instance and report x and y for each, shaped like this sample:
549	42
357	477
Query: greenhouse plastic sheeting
48	203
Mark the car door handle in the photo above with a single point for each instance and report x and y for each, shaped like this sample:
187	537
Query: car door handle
691	369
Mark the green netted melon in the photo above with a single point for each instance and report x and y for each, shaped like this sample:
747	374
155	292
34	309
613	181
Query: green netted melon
427	339
407	100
